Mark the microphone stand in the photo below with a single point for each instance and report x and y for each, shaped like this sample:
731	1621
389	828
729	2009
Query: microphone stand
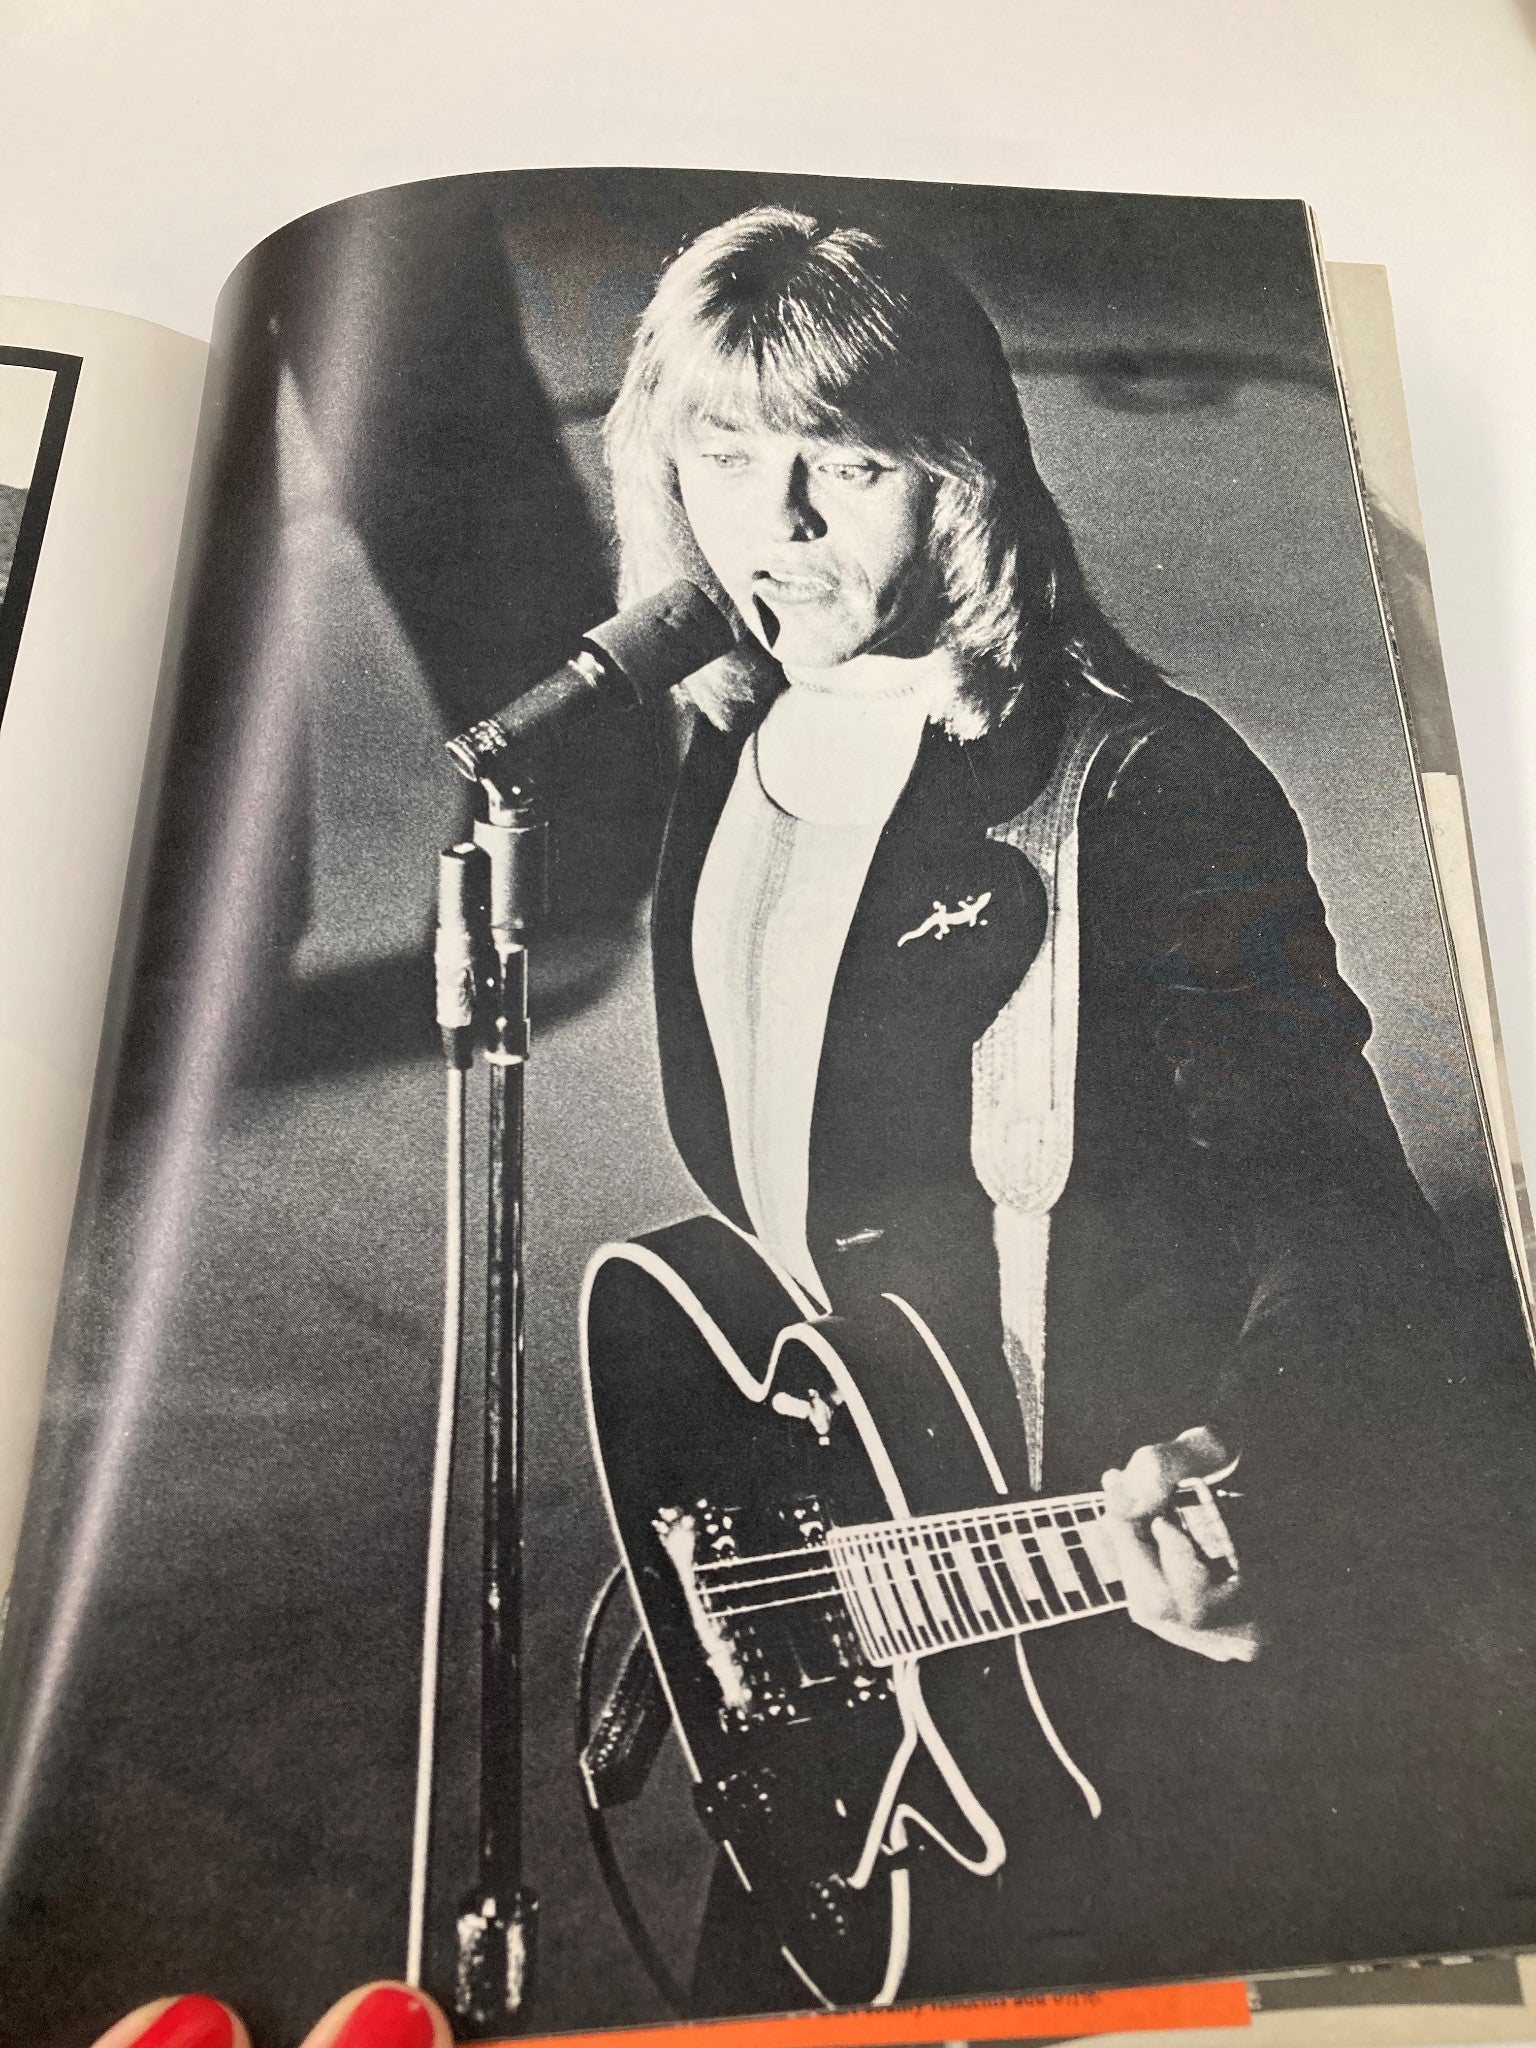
493	1978
463	936
496	1926
623	662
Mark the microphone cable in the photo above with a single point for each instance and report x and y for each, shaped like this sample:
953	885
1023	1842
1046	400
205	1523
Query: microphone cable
462	873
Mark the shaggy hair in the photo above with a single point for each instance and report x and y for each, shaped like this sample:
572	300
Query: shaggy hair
828	331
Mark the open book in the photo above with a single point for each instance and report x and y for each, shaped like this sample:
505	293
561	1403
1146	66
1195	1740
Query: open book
946	1447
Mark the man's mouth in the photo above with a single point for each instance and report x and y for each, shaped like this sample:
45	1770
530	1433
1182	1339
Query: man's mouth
775	591
789	588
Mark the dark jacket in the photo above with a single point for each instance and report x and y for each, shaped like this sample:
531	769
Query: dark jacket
1240	1243
1228	1126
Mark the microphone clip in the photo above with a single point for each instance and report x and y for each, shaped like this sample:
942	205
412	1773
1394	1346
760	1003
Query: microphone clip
493	892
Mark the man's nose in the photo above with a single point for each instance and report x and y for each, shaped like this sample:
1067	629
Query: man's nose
792	509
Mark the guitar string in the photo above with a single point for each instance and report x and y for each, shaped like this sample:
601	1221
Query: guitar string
824	1571
966	1552
846	1534
1032	1511
945	1576
892	1629
762	1606
880	1581
1023	1575
928	1548
968	1525
952	1612
936	1576
908	1545
956	1591
920	1636
962	1633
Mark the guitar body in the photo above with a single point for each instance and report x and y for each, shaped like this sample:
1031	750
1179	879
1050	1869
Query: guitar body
730	1424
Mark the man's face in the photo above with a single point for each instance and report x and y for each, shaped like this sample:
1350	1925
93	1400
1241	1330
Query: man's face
819	544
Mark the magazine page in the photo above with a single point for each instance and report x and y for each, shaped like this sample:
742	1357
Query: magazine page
1001	1152
1470	2000
1458	1998
97	416
1368	350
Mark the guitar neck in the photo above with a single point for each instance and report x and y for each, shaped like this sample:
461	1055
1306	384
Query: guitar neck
935	1582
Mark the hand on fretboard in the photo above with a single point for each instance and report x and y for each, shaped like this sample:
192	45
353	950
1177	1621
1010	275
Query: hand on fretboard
1178	1583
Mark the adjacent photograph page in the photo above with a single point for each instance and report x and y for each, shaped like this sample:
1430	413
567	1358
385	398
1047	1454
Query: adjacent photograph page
824	1318
98	414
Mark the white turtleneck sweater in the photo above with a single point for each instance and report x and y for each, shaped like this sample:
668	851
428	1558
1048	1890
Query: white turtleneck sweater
777	894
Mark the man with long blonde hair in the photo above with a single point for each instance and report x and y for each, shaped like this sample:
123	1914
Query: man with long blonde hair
990	972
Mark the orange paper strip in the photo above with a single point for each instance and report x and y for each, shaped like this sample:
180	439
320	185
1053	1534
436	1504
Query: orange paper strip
997	2019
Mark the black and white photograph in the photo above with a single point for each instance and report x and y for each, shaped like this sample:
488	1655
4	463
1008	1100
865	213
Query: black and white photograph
37	390
791	1289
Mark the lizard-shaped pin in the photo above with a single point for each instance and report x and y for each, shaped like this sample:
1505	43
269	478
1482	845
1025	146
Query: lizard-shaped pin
943	921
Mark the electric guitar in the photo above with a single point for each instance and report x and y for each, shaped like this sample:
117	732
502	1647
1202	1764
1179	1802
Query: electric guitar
808	1509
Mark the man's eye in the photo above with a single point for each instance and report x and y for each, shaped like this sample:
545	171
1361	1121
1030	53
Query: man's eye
724	458
861	471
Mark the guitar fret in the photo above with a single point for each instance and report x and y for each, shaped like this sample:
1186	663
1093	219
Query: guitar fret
1098	1546
887	1599
909	1592
1017	1559
937	1582
975	1586
1009	1597
1050	1591
929	1589
1082	1564
863	1600
1059	1563
909	1611
1010	1594
947	1564
890	1633
961	1611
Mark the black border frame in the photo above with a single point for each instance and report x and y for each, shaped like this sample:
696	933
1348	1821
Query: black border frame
34	517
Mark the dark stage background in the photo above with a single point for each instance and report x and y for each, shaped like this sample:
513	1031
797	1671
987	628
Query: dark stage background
209	1695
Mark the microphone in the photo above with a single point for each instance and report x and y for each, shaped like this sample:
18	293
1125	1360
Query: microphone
634	656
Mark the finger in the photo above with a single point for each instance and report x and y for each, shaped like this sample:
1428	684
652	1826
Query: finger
1153	1474
1189	1579
191	2022
1199	1452
1216	1645
1152	1604
1147	1597
1198	1598
382	2016
1147	1483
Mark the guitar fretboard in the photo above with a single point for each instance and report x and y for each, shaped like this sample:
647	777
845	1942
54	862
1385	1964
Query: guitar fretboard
937	1581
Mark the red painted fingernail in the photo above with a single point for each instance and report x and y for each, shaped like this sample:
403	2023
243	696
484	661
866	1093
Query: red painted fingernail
389	2017
190	2023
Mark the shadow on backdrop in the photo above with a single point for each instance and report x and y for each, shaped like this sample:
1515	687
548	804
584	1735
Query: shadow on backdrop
396	544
